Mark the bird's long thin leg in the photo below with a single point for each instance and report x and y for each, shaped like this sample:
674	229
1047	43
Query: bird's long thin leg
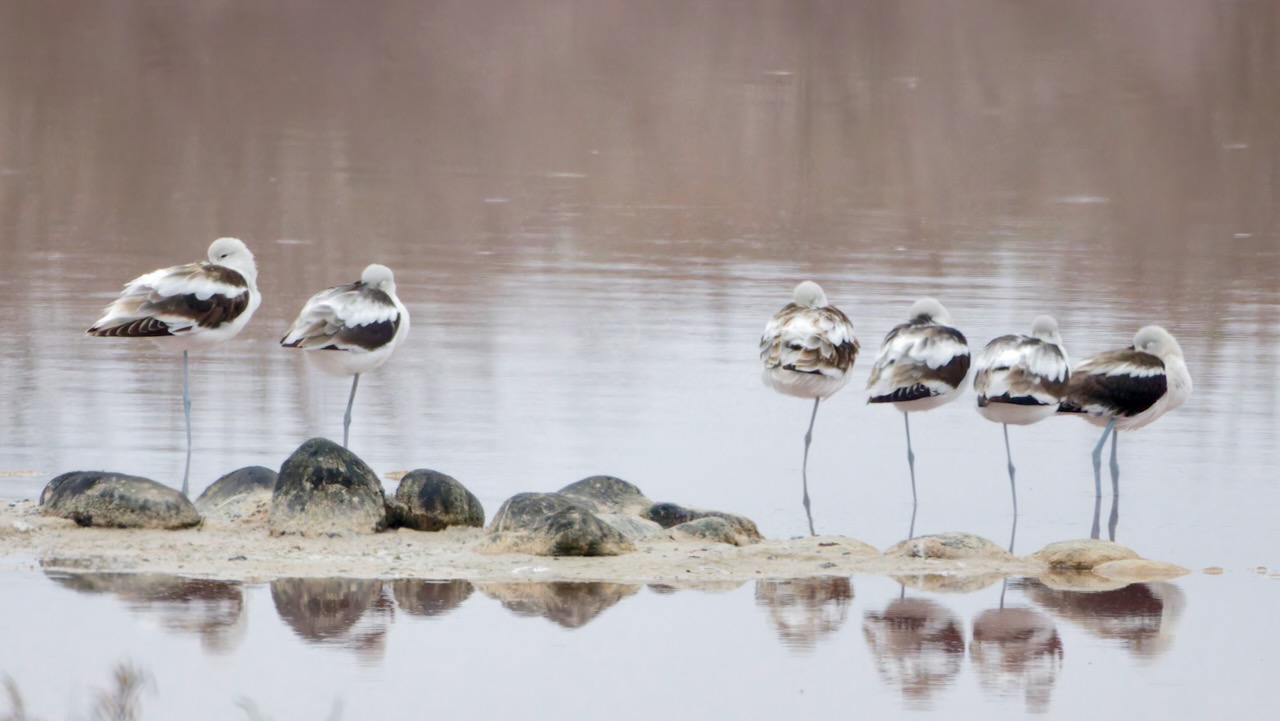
804	468
346	419
1115	518
1097	457
911	457
186	411
1115	465
1095	530
1013	532
1012	485
911	532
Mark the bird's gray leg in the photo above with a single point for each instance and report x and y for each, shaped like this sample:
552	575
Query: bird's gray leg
1115	465
346	419
1115	518
1009	455
1095	530
186	411
1097	457
804	469
911	458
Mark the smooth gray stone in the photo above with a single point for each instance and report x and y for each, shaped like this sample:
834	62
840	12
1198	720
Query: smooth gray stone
432	501
607	494
324	489
116	500
669	515
548	524
242	481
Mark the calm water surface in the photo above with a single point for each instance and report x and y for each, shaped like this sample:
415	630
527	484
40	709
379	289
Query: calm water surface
593	207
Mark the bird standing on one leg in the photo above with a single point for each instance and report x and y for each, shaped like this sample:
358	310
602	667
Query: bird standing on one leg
351	329
807	349
1126	389
921	365
1021	379
188	307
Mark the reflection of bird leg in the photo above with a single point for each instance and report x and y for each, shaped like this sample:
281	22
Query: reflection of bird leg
1097	456
1115	516
911	460
804	468
1004	584
1095	532
186	411
1115	465
1012	486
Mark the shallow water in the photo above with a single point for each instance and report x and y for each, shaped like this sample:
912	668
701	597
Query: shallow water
593	207
299	648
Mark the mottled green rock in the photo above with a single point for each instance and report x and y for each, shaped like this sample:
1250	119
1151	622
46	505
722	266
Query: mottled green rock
548	524
116	500
669	515
432	501
324	489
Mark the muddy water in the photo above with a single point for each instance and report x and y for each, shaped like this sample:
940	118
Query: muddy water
593	207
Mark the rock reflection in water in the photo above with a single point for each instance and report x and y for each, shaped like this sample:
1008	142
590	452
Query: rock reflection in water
570	604
803	610
1017	652
918	645
1143	617
213	610
347	612
430	598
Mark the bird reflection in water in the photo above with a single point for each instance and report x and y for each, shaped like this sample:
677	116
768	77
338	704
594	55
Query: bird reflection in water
1142	617
805	609
918	646
1017	652
213	610
569	604
346	612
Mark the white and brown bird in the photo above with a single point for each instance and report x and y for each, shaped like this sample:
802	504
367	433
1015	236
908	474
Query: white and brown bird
921	365
187	307
351	329
1126	389
1021	379
807	349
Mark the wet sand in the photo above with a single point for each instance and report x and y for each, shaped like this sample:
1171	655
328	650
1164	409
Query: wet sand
245	551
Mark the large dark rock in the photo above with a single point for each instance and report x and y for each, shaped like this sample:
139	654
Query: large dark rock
607	494
116	500
548	524
432	501
324	489
669	515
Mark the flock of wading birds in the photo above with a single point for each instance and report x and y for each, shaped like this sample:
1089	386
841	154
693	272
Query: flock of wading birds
808	349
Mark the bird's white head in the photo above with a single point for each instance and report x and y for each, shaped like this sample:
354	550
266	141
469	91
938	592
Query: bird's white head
379	276
809	295
1045	328
1157	341
929	309
234	254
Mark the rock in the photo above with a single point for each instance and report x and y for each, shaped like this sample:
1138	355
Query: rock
670	514
1081	555
711	528
606	494
324	489
250	479
633	528
116	500
948	546
432	501
548	524
1139	569
241	497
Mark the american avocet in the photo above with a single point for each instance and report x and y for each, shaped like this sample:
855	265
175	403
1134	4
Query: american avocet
188	307
922	364
1020	379
351	329
1126	389
807	350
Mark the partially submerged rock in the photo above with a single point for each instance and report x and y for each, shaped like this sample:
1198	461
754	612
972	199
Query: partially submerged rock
948	546
548	524
325	489
432	501
712	528
116	500
607	494
1082	555
669	515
